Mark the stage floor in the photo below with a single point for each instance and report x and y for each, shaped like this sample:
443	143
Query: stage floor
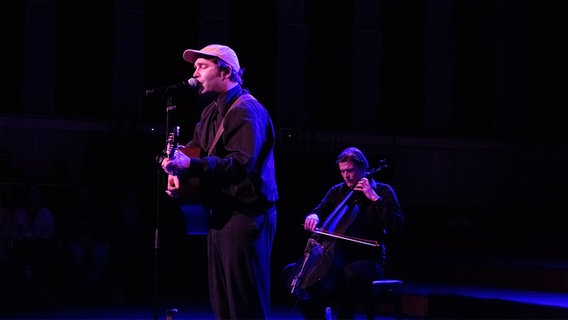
446	302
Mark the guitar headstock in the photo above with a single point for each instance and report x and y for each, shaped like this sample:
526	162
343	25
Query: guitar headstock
171	142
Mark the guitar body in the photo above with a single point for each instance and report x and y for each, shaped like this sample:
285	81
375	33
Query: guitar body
195	215
189	190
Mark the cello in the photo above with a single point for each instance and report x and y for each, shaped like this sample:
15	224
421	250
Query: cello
319	251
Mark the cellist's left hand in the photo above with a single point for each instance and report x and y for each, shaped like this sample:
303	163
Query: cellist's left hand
365	186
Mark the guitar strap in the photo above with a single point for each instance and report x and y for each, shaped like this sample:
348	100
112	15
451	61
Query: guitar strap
243	97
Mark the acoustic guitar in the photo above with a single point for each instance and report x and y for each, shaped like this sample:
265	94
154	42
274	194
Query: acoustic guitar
188	194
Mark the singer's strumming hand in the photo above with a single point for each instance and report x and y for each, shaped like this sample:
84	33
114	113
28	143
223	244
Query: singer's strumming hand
173	186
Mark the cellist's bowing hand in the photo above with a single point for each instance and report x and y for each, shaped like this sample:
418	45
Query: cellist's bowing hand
311	222
365	186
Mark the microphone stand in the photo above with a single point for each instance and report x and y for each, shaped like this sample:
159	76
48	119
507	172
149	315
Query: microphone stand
159	194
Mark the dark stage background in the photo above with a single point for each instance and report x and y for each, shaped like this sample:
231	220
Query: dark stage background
464	99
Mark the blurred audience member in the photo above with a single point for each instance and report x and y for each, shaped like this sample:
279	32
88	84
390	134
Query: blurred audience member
7	203
32	232
84	239
131	248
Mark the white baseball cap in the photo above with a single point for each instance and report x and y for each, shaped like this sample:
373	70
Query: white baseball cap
214	51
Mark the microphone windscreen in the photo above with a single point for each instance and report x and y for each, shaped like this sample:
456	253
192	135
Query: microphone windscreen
192	83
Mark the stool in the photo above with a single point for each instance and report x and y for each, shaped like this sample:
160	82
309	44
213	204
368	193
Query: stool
385	289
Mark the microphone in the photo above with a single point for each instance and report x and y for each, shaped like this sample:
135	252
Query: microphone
164	90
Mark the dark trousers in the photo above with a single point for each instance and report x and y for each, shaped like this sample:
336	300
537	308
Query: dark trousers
239	266
341	289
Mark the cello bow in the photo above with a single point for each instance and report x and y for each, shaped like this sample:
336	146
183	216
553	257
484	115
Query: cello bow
373	243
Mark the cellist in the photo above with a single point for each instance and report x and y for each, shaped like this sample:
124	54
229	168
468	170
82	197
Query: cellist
370	211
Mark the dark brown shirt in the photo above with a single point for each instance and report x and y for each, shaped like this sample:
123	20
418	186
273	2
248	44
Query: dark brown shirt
239	175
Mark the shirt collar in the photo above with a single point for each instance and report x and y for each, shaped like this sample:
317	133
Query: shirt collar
225	99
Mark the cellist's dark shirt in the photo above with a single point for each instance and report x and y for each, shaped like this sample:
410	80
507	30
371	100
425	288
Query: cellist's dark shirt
374	220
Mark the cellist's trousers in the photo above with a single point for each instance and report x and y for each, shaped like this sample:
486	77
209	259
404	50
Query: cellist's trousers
342	289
